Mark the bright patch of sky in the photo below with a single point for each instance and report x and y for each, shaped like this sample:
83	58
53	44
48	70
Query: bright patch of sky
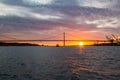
9	10
105	23
37	2
97	3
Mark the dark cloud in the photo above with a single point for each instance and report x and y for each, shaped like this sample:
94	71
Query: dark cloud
17	23
83	11
71	15
117	5
112	3
65	3
12	2
54	2
22	24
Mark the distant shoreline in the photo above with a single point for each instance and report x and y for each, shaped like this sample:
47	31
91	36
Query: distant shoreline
29	44
17	44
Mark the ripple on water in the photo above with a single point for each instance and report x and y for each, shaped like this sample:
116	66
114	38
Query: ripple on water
87	74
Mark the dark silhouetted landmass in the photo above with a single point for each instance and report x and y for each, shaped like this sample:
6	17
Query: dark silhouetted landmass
108	44
17	44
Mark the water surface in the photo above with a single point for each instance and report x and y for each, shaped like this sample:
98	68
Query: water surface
60	63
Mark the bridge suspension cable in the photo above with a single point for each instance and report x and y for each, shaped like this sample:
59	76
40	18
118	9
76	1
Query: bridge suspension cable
51	39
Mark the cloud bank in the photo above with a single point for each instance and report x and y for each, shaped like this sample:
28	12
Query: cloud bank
95	17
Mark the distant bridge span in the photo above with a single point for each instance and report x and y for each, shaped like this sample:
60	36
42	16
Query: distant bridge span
54	40
64	40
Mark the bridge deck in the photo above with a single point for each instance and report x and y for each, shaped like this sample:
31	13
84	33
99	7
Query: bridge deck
54	40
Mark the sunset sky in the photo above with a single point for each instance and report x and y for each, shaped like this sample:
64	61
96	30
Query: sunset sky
48	19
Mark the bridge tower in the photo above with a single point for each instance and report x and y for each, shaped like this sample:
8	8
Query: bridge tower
64	39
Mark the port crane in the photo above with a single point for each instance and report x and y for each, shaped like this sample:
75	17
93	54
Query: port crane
113	38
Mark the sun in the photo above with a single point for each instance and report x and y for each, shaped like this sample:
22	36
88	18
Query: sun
81	44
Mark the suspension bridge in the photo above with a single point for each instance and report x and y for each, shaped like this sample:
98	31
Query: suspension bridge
49	39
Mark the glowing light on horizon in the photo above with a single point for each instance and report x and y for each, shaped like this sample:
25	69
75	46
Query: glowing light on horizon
81	44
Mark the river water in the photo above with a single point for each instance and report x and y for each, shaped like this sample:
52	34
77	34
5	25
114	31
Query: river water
60	63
